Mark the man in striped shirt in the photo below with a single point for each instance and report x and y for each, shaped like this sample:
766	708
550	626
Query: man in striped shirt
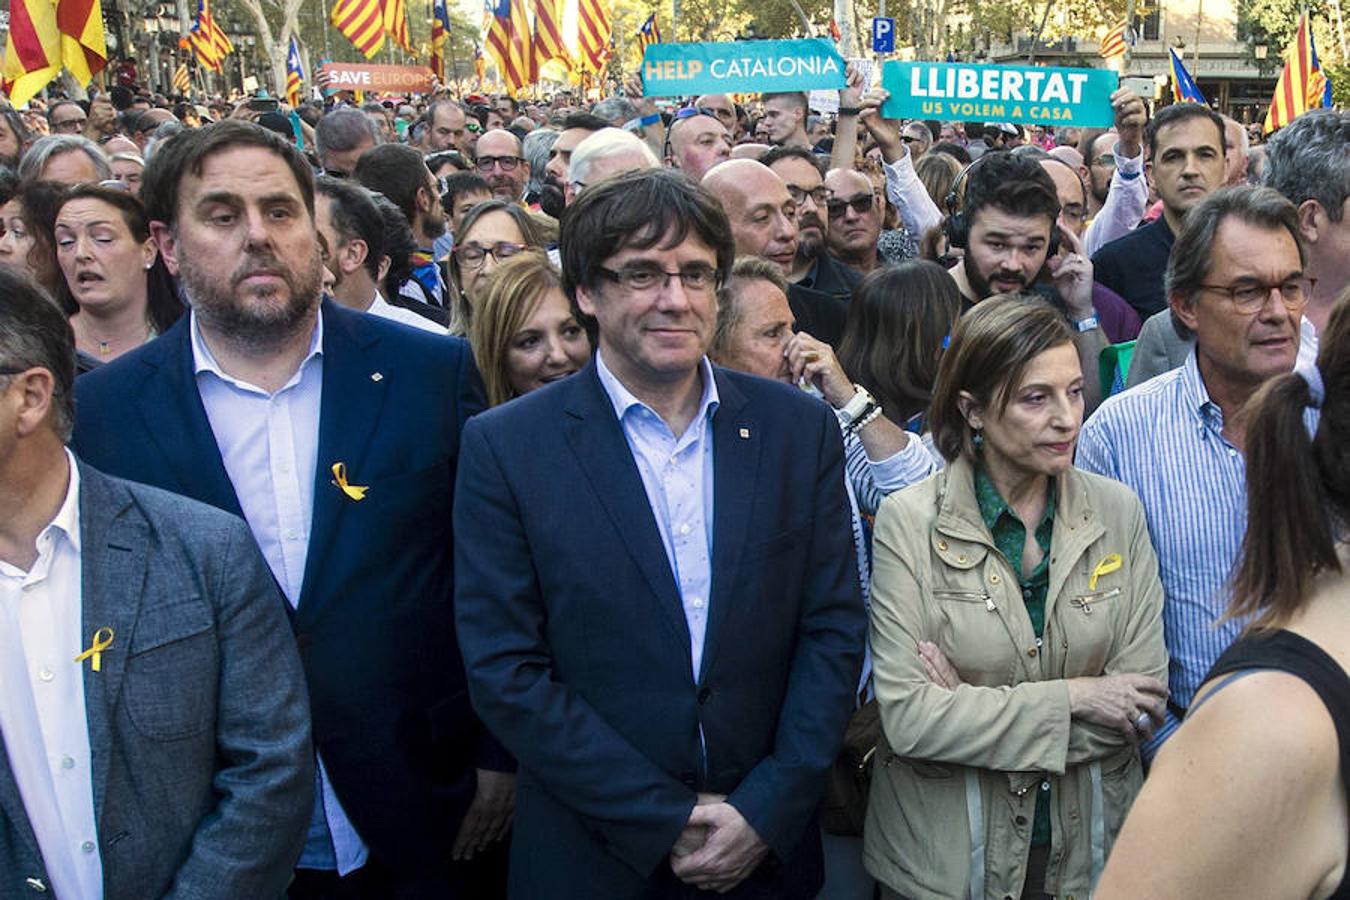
1235	280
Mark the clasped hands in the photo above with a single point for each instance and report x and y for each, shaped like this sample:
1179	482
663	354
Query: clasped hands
717	849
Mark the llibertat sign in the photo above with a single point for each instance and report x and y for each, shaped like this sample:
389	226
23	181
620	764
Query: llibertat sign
366	77
741	67
1033	95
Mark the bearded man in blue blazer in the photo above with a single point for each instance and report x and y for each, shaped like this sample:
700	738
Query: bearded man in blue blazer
335	435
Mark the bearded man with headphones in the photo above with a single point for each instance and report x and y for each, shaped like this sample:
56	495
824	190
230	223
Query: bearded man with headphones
1003	213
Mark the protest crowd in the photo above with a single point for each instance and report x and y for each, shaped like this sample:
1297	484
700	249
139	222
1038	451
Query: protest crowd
472	497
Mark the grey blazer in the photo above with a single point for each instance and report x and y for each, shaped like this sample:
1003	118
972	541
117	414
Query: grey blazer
1159	349
199	721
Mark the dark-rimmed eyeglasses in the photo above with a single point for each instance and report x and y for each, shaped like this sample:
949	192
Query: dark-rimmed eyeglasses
472	255
1249	295
646	279
69	125
485	164
862	205
820	194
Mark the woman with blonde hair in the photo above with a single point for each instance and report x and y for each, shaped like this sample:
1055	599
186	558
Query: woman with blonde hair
524	333
1017	639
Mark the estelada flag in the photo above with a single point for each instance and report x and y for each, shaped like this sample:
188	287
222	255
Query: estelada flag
1302	85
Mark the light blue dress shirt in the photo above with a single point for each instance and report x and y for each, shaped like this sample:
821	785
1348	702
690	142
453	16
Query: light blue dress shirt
1164	439
270	444
677	473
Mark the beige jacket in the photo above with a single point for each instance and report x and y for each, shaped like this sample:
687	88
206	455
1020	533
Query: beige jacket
953	788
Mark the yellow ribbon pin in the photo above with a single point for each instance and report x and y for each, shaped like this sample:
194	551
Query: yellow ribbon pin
355	491
103	639
1108	565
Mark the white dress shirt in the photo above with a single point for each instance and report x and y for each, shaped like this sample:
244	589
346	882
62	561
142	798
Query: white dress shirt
386	310
1126	202
42	712
269	444
910	198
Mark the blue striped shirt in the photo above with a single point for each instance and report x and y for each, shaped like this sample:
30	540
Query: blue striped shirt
1164	440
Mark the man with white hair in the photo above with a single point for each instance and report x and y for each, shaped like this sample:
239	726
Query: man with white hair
610	151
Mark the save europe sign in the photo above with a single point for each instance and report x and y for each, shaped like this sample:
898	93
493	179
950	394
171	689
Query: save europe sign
984	93
741	67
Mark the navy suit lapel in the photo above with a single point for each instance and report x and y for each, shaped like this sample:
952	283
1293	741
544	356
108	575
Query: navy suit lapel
597	439
176	421
12	808
736	450
354	390
113	552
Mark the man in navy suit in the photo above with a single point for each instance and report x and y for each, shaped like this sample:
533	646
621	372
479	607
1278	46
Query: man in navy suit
335	435
656	593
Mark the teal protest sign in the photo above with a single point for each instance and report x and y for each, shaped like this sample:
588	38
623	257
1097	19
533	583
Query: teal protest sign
1033	95
742	67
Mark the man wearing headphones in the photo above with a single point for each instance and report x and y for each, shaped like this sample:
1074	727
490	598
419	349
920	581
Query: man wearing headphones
1003	213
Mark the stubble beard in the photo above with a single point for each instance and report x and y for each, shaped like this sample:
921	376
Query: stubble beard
257	322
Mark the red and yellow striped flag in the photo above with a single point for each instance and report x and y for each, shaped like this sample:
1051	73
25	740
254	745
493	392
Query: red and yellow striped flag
396	24
182	79
361	22
32	50
207	40
1302	85
1114	43
594	30
83	50
510	43
548	42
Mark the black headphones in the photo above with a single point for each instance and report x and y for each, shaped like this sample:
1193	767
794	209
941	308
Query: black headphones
957	226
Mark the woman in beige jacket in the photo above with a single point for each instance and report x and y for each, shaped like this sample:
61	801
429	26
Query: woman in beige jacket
1016	669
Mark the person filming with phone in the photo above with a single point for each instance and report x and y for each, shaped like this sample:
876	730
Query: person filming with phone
1004	213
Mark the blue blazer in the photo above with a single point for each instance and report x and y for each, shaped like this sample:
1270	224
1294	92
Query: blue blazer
374	625
577	648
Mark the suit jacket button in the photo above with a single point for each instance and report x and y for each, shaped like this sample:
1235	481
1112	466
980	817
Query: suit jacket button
703	695
688	779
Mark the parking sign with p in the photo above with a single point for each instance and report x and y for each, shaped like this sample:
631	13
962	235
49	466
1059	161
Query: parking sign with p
883	35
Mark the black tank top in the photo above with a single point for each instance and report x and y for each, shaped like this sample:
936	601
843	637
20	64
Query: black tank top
1300	657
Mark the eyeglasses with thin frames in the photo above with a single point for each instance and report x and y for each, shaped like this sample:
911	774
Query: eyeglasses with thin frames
472	256
648	279
1250	296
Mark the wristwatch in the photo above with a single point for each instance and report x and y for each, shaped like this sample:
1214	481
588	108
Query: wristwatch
857	406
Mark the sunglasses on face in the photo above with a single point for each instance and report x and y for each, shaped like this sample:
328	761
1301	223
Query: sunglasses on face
862	205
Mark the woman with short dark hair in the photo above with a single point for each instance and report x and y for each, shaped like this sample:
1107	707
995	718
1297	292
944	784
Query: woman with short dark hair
897	324
1017	639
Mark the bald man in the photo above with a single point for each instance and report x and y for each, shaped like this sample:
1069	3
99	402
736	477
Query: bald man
723	108
696	143
502	164
855	219
764	224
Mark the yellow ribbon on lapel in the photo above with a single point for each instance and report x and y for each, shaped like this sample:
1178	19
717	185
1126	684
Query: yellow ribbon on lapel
354	491
1108	565
103	639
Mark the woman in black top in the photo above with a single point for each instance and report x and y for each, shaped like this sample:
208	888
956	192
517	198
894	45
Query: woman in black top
1249	797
